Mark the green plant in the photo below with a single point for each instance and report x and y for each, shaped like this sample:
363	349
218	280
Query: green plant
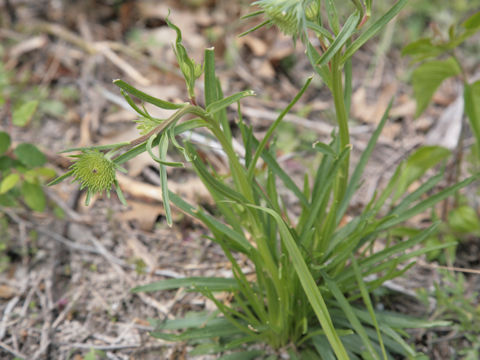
456	303
22	174
437	60
310	295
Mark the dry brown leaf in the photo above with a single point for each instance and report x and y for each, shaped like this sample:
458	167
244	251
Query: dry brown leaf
144	214
371	113
256	45
192	190
7	292
282	48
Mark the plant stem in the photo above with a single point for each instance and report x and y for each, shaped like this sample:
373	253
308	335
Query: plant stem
342	119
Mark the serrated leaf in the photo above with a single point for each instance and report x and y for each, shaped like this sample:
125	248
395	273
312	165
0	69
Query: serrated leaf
427	78
29	155
23	114
4	142
9	182
34	196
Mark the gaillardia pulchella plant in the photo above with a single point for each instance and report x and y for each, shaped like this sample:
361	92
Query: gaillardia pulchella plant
309	295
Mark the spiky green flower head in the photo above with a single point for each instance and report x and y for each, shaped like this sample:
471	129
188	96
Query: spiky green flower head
95	172
290	16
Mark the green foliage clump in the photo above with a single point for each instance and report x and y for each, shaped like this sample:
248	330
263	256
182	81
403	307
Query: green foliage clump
312	284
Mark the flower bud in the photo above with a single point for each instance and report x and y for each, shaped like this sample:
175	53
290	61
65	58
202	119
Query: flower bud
94	171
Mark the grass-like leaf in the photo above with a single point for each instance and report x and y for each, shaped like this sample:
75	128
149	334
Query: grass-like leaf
349	313
223	103
308	283
147	98
373	29
191	283
341	39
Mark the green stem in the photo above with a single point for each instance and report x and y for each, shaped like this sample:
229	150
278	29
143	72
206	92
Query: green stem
342	119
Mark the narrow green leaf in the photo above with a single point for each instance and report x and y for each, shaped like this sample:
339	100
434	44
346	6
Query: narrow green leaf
210	283
373	30
119	192
219	327
221	116
9	182
428	203
23	114
324	149
132	104
349	313
417	164
323	71
368	303
4	142
210	83
308	283
97	147
322	193
217	188
472	108
162	149
256	27
190	320
415	195
320	30
357	174
157	158
341	39
398	339
387	253
323	349
427	78
271	129
225	102
401	321
29	155
243	355
332	15
34	196
189	125
238	240
252	14
60	178
147	98
348	86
